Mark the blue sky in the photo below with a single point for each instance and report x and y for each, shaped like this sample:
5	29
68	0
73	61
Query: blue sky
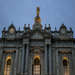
54	12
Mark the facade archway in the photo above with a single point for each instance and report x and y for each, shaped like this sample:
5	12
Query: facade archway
36	66
66	65
7	68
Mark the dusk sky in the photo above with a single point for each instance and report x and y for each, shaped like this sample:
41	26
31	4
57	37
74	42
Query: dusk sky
54	12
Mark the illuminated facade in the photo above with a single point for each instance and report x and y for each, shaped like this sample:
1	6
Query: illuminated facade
37	51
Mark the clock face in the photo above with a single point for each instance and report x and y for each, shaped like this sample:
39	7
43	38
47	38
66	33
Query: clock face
11	30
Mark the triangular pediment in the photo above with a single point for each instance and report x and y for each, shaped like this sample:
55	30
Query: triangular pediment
37	36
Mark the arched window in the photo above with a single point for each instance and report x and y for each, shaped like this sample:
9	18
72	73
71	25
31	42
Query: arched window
7	69
36	66
65	63
66	66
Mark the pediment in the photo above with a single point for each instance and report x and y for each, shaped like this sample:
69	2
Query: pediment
37	36
11	29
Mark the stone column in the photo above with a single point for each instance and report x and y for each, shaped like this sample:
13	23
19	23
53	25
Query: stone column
57	62
22	66
50	64
42	63
27	58
0	60
15	64
45	59
3	65
19	65
73	56
31	60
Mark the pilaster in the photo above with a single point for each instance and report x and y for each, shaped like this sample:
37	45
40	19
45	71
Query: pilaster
0	60
50	62
27	58
22	66
73	56
16	62
3	65
20	60
57	62
45	59
48	42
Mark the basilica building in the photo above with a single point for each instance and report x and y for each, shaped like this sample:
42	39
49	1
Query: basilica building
37	50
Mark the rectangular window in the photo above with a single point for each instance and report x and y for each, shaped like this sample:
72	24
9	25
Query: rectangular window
36	70
8	70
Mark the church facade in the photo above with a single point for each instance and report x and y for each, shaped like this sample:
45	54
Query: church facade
37	51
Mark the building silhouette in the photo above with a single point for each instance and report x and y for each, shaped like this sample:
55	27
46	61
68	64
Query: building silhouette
37	51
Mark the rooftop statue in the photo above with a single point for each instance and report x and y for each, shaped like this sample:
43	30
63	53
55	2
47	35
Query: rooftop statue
37	18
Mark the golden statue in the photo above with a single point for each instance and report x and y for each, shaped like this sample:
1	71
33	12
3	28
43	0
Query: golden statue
37	18
38	11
